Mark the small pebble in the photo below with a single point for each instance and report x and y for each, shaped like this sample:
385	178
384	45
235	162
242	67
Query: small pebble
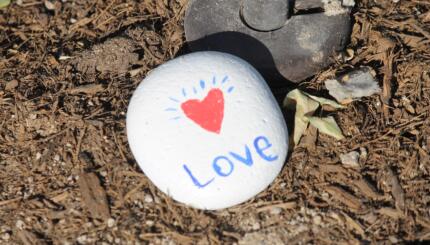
82	239
317	220
148	198
110	222
276	211
19	224
149	222
5	236
57	158
49	5
256	226
351	159
38	155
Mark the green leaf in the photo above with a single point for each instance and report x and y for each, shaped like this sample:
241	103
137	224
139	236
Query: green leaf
4	3
327	126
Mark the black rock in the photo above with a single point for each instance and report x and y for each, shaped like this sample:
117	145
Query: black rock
294	50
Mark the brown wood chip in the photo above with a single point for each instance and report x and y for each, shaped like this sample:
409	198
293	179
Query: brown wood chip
396	189
28	238
11	85
423	222
391	212
94	196
354	225
87	89
344	197
367	189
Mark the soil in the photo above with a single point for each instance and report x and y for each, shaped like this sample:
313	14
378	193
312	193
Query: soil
67	175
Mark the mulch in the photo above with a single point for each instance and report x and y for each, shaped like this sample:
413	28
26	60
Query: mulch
67	175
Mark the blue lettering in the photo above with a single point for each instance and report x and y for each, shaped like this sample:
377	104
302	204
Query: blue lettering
261	148
247	160
218	168
194	179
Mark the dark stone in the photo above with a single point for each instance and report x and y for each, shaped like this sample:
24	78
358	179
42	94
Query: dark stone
300	48
265	15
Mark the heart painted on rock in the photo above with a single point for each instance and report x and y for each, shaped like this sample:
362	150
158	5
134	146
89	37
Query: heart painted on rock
207	113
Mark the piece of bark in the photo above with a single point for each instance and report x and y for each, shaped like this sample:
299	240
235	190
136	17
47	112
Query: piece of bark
391	212
94	196
367	189
354	225
396	189
88	89
28	238
344	197
423	222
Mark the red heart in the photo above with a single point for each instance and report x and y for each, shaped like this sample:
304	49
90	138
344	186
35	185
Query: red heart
207	113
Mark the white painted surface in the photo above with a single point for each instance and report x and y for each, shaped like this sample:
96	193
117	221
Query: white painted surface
171	145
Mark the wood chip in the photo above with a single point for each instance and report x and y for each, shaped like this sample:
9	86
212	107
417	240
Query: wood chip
344	197
94	196
11	85
423	222
285	206
354	225
367	189
391	212
28	238
88	89
396	189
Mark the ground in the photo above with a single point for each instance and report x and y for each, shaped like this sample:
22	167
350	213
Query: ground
67	175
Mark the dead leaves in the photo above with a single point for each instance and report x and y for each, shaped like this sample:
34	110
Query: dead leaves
305	106
4	3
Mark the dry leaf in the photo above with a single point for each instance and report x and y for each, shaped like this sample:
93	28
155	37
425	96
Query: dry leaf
327	126
305	106
4	3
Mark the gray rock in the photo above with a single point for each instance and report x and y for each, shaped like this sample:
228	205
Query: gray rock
293	51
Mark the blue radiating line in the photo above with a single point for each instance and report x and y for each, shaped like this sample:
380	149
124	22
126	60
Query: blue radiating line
202	84
175	118
214	80
230	89
173	99
171	109
195	90
225	79
184	92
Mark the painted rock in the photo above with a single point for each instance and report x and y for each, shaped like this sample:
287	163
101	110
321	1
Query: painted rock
207	131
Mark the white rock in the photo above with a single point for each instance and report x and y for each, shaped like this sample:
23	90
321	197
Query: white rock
111	222
351	159
148	198
207	131
276	211
354	85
